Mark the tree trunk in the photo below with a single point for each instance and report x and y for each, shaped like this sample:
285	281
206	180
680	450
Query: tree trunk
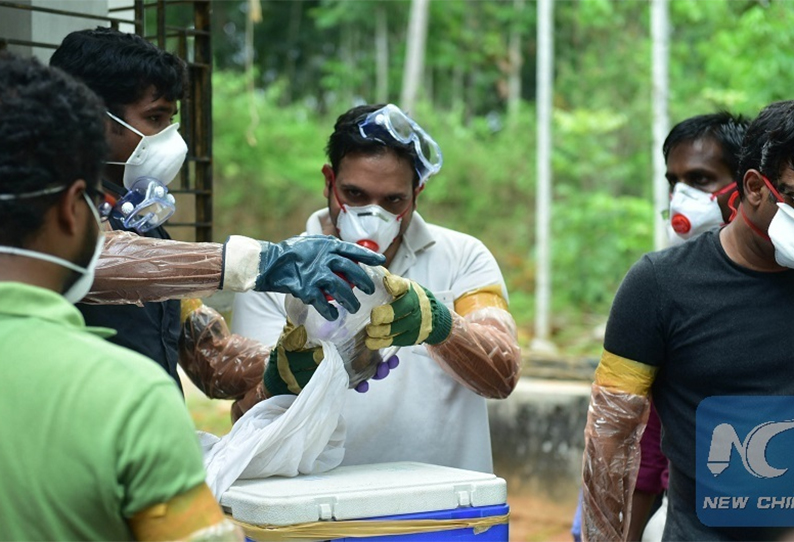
295	17
382	54
659	36
516	62
545	79
415	54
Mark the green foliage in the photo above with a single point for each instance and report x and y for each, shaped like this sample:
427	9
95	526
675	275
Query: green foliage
596	238
264	181
316	58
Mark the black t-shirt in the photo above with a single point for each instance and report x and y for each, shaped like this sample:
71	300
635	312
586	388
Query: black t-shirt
152	330
712	327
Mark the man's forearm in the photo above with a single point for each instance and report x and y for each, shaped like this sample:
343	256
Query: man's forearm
221	364
481	352
134	269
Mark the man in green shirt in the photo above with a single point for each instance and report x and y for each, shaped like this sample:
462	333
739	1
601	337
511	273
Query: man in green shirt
96	443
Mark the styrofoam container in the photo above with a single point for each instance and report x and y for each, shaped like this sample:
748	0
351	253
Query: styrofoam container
361	491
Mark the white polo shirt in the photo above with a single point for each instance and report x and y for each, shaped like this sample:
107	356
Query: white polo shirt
419	412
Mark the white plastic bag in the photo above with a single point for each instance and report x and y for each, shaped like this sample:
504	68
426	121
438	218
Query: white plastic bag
284	435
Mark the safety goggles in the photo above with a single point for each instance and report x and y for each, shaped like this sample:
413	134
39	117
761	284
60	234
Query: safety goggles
390	123
146	205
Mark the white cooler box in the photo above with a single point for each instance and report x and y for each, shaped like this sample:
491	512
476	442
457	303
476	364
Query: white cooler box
388	502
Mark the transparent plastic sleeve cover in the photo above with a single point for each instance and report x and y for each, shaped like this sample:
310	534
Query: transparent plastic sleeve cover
221	364
482	352
615	423
134	269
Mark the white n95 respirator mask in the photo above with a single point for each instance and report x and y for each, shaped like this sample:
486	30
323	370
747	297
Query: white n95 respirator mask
694	211
80	288
781	233
370	226
159	156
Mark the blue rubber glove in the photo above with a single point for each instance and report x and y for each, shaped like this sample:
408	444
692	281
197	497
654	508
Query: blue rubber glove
308	266
383	370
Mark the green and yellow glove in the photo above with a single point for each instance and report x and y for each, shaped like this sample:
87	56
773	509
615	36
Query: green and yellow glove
291	364
414	317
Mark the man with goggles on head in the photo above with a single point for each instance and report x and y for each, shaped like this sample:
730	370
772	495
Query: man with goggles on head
449	314
139	265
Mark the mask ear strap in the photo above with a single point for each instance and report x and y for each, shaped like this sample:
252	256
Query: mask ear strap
114	117
753	227
732	206
416	195
332	181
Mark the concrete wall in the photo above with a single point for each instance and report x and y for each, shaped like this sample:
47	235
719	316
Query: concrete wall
47	27
537	436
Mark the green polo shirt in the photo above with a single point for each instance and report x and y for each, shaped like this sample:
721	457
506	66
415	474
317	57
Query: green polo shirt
90	433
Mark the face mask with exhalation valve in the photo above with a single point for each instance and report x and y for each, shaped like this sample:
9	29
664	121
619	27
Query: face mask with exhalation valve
146	205
82	285
370	226
348	331
159	156
694	211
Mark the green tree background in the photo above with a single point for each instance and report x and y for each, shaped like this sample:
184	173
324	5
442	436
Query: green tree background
315	59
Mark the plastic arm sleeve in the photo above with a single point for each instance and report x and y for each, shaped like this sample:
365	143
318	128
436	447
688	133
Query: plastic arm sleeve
134	269
481	352
222	365
616	419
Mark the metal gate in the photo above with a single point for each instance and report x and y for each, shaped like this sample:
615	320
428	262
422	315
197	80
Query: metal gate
179	26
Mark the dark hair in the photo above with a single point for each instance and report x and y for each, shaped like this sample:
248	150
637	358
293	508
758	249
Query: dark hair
724	128
768	145
120	67
347	139
52	133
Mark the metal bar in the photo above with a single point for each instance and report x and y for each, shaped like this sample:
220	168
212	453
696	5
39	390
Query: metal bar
26	7
140	17
171	3
186	120
11	41
179	31
121	8
161	24
201	107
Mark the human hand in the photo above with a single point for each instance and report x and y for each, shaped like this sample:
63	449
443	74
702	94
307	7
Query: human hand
414	317
291	364
383	370
306	266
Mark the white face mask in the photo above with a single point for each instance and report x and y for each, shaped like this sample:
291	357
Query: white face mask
673	239
159	156
370	226
693	211
82	286
781	233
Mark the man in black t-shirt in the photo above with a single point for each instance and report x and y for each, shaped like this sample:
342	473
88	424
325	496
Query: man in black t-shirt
706	326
